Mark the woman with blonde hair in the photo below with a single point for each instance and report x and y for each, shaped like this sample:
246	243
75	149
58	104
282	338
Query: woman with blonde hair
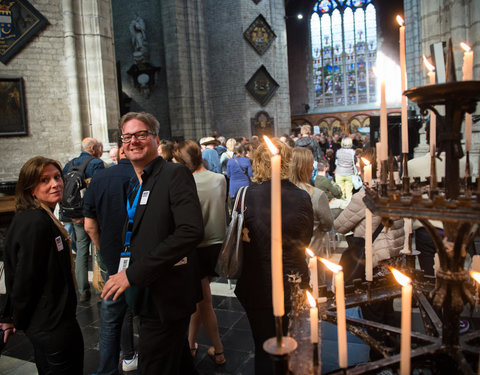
301	168
227	155
254	286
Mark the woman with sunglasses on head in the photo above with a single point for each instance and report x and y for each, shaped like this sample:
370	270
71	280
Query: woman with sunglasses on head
41	298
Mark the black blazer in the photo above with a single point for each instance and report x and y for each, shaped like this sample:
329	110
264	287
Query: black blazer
38	273
254	287
166	229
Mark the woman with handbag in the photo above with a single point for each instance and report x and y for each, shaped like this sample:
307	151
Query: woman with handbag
41	298
212	190
345	167
254	286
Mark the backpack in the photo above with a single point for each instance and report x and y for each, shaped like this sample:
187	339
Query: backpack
74	186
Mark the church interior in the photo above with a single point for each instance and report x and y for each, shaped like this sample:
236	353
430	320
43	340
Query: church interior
71	68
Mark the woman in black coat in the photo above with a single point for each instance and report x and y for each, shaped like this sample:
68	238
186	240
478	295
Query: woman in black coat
254	287
41	297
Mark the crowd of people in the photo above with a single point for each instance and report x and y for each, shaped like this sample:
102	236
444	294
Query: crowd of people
158	217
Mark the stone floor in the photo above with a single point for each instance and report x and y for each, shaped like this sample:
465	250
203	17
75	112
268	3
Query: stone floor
17	357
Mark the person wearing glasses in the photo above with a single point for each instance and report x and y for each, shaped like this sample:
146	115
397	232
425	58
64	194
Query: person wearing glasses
158	268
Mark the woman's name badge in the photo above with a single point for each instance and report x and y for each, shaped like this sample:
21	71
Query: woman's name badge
59	243
144	198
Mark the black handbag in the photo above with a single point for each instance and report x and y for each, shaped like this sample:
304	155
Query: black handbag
353	258
230	260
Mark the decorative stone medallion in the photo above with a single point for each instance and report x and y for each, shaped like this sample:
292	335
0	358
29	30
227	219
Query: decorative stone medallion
262	86
260	35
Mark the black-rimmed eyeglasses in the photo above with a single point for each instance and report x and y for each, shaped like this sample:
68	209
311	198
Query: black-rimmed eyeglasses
141	135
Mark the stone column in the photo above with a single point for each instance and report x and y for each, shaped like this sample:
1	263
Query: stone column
186	66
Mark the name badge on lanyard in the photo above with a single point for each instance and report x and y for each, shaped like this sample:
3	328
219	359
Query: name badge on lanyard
125	255
124	261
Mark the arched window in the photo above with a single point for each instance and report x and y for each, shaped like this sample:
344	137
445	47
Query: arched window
344	50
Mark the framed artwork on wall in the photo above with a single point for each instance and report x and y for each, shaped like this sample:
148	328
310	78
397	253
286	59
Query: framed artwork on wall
13	119
262	124
262	86
19	23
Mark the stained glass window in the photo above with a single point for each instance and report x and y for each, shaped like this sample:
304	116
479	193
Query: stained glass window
344	51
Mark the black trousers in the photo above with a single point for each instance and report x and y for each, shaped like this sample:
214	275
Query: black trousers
163	347
59	351
262	324
426	246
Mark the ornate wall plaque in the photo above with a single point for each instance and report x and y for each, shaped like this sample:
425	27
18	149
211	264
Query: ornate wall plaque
262	124
262	86
260	35
19	23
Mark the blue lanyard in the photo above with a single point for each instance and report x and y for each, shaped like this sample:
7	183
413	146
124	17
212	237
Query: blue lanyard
131	214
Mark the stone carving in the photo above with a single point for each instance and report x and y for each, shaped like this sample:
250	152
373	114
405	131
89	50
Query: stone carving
139	40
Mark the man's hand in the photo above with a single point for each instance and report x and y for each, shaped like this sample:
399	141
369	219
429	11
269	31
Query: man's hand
116	285
8	330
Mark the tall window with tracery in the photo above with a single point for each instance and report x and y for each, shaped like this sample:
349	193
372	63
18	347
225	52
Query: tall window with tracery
344	51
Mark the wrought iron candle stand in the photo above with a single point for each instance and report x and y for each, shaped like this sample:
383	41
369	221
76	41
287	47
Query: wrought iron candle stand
456	203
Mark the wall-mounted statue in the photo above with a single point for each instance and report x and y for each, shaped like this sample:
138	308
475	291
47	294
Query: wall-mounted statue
139	39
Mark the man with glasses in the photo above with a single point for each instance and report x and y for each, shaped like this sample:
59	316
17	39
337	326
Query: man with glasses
158	266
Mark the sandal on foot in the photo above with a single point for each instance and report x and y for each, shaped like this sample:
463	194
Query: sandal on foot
193	351
213	355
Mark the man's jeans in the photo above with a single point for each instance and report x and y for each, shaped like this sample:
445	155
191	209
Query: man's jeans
81	260
113	333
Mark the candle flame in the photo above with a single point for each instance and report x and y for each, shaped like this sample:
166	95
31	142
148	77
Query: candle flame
310	253
400	20
465	47
270	145
475	275
311	300
335	268
402	279
365	161
428	65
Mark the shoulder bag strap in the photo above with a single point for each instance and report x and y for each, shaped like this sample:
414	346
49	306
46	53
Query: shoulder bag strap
237	198
243	170
83	166
243	199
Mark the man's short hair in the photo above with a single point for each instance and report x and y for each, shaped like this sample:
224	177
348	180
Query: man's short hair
322	165
305	129
88	143
147	118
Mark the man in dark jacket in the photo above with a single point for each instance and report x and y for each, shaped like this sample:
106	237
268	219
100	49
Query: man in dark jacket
105	212
158	268
306	140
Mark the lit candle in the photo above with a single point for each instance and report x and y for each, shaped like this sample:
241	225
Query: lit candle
367	171
467	70
405	348
341	319
313	268
313	318
276	244
368	245
433	117
403	77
